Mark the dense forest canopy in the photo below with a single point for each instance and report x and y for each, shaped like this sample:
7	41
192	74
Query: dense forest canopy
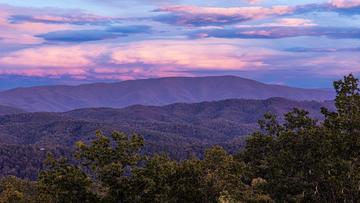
177	129
300	159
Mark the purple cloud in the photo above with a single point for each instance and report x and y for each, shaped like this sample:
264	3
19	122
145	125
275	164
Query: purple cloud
322	50
79	35
345	7
75	19
208	16
130	29
217	16
94	35
279	32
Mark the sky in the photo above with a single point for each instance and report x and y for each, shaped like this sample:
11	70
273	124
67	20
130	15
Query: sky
301	43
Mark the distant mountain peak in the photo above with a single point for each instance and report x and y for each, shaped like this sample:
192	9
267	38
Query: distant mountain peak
154	91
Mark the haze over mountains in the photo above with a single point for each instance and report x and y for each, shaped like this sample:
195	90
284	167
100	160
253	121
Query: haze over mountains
161	91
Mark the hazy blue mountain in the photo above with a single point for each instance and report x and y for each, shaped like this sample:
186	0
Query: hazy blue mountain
161	91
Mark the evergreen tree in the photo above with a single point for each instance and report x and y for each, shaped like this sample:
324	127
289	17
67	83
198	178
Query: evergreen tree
112	161
304	160
63	182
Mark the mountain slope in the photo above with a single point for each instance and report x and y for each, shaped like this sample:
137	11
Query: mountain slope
178	129
160	91
5	110
179	124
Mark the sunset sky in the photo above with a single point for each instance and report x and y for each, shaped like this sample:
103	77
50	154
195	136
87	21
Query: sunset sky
302	43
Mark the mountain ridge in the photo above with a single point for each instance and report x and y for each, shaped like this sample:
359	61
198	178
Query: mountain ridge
154	91
240	111
179	129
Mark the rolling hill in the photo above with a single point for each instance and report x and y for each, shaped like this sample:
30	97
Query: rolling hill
178	129
161	91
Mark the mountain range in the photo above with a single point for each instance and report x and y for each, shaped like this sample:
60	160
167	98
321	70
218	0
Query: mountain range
178	129
160	91
179	115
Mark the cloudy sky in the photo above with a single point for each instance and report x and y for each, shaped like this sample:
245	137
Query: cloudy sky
303	43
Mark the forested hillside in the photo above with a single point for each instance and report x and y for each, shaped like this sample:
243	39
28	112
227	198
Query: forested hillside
294	159
177	129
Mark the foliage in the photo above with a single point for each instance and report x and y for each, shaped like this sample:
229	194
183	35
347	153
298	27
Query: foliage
15	190
303	160
112	163
62	182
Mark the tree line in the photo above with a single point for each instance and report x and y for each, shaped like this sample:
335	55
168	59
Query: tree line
298	160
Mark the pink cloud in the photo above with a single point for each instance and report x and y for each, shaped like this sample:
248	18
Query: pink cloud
136	73
334	64
51	61
283	22
250	12
20	25
160	58
294	22
52	56
77	19
45	72
195	15
23	33
54	16
254	1
138	59
202	54
345	3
